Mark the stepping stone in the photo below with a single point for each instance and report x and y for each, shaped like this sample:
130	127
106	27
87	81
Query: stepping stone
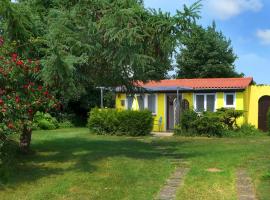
214	170
168	192
245	189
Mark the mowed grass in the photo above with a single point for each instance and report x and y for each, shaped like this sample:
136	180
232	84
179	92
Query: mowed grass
74	164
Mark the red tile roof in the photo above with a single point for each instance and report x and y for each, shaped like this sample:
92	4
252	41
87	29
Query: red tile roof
202	83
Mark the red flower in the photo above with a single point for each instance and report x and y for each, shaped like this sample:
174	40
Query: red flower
30	111
4	110
40	87
17	99
1	102
14	56
19	62
1	41
10	125
46	93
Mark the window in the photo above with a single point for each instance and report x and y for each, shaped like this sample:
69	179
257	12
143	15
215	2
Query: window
129	102
141	102
229	99
151	103
200	103
205	102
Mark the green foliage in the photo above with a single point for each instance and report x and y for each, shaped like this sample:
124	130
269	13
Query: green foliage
135	123
210	124
186	118
245	130
66	124
206	53
96	42
45	121
127	122
103	121
229	117
22	95
220	123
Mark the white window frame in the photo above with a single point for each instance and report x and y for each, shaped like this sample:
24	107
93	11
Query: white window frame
205	101
146	103
234	100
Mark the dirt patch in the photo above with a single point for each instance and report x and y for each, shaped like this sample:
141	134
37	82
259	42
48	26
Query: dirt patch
214	170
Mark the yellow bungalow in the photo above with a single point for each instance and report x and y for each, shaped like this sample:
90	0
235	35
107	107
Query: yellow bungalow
200	94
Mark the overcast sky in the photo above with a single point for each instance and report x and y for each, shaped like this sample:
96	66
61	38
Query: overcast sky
245	22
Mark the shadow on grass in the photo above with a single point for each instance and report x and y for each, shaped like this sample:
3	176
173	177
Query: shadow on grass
62	155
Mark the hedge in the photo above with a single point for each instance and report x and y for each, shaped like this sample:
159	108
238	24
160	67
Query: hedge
126	122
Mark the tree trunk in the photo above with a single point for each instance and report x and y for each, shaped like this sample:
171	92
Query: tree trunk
25	139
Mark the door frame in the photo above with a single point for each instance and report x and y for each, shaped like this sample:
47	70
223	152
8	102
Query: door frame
166	120
261	124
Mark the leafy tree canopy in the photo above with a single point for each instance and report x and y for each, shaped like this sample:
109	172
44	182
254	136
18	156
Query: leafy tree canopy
206	53
96	42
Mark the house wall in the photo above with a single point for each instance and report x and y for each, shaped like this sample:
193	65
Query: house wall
119	98
252	97
220	102
243	102
160	109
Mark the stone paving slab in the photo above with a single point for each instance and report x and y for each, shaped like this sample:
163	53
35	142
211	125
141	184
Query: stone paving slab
245	189
168	192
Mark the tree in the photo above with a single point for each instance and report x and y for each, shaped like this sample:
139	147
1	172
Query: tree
102	42
206	53
21	96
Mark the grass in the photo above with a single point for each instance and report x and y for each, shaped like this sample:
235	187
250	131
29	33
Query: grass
73	164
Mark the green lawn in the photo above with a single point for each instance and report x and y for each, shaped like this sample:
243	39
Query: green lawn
73	164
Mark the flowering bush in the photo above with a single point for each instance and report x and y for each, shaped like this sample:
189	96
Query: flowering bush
21	96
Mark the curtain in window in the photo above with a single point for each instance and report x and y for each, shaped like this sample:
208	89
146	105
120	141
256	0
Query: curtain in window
141	102
229	99
152	103
210	103
129	102
199	103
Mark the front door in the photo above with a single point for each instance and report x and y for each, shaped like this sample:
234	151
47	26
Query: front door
264	105
172	111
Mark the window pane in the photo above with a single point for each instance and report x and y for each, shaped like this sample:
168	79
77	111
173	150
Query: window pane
140	102
210	103
229	99
200	103
152	103
129	102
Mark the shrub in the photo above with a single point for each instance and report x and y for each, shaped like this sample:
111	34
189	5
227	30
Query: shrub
187	119
65	124
209	124
135	123
244	131
127	122
45	121
103	121
229	116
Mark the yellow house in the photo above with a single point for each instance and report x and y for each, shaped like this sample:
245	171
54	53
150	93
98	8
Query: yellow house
206	94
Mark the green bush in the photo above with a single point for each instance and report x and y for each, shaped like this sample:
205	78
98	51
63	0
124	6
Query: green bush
244	131
44	121
65	124
229	116
135	123
187	119
127	122
209	124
